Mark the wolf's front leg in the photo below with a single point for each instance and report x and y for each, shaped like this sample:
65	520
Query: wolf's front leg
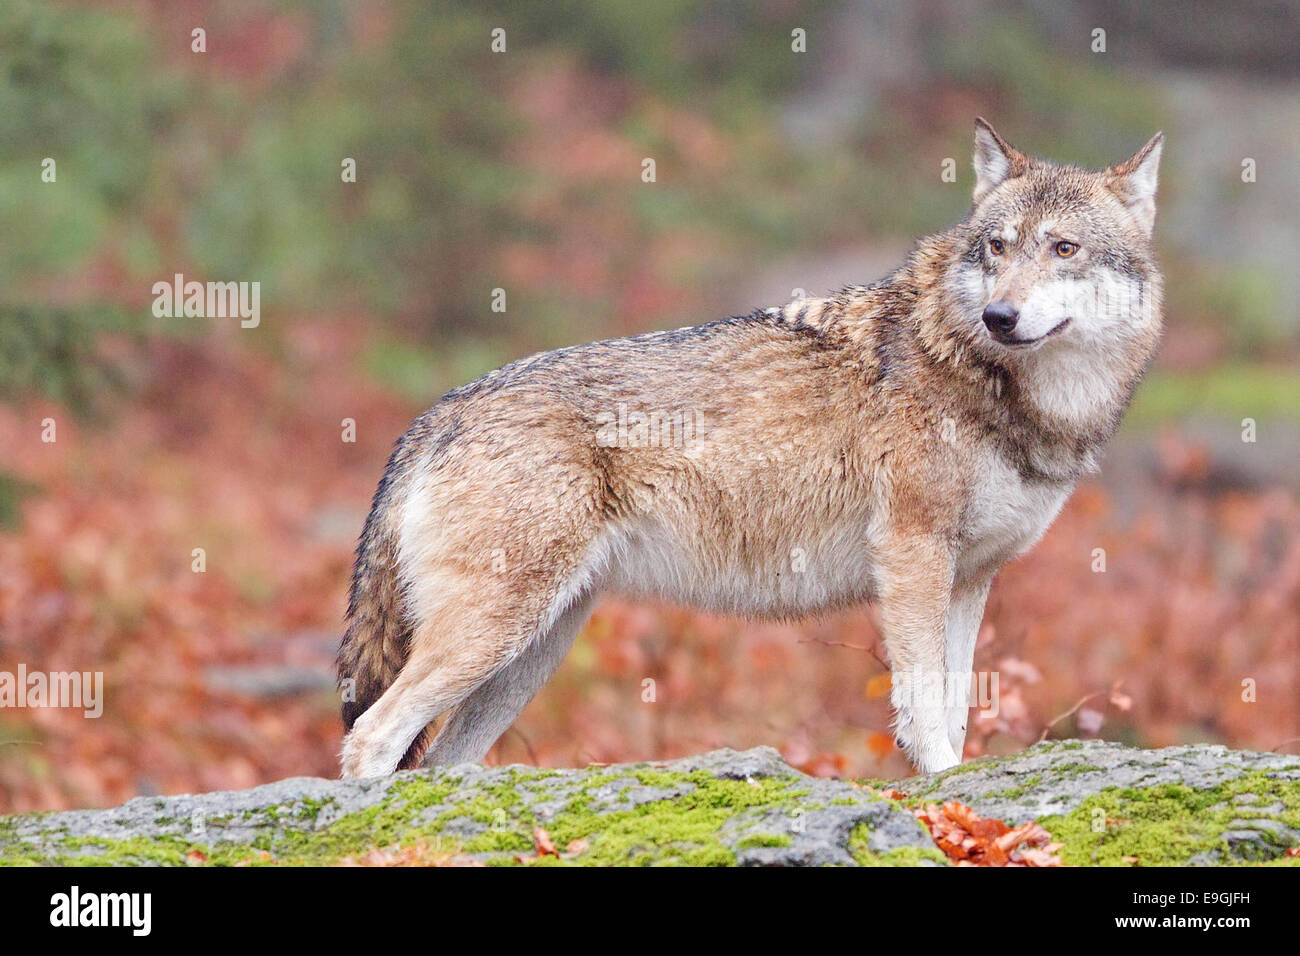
915	581
965	612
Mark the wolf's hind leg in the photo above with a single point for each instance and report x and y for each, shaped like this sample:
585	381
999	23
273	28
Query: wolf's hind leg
477	722
436	677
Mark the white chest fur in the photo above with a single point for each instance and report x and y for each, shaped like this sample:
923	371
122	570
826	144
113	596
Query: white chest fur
1005	516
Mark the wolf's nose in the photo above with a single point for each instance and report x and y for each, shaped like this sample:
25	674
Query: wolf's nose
1001	316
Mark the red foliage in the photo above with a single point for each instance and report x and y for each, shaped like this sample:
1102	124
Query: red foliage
971	840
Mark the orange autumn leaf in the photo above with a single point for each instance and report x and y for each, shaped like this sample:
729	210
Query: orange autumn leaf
968	839
878	686
968	819
543	843
420	853
880	745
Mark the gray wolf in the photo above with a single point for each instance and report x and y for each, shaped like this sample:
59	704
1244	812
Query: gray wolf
895	442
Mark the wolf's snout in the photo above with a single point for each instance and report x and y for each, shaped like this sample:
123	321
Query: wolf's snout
1000	317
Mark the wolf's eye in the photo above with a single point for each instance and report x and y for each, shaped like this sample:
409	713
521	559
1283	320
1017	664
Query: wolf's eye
1065	249
996	247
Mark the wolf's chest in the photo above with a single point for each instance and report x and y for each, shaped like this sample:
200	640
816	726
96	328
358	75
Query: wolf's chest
1005	515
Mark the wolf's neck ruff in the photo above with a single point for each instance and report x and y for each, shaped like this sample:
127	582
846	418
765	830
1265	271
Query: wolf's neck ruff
1053	408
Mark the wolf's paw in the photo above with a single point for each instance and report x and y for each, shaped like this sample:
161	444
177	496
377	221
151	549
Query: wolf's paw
358	761
349	759
957	730
928	750
936	759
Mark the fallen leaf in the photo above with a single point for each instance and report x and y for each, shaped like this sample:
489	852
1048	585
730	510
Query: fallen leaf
543	843
878	686
880	745
1033	856
966	838
418	854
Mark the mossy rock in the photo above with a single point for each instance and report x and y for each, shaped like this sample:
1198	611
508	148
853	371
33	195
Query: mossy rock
1110	805
1114	805
722	808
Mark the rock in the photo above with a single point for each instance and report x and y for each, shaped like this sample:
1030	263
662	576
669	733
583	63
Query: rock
1175	806
1106	802
1056	777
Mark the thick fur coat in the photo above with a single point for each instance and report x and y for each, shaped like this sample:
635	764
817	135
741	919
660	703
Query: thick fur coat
895	442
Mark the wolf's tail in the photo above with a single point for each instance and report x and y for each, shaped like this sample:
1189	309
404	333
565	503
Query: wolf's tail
377	641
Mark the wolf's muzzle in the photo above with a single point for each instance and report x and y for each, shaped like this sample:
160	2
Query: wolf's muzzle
1000	317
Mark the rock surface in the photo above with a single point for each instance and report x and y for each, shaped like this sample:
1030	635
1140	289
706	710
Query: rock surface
1107	803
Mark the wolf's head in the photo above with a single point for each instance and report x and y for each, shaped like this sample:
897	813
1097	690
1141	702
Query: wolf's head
1056	255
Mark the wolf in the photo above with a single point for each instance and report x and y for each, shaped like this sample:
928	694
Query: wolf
895	442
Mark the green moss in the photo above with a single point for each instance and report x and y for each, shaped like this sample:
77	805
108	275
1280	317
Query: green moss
682	819
135	851
683	830
764	839
1074	769
969	767
1169	824
1020	791
310	809
912	856
1057	746
860	850
683	827
915	796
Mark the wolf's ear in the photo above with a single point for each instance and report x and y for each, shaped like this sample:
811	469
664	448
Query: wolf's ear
1134	182
995	159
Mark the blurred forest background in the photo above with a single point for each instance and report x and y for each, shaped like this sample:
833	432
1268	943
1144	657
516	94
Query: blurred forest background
776	171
